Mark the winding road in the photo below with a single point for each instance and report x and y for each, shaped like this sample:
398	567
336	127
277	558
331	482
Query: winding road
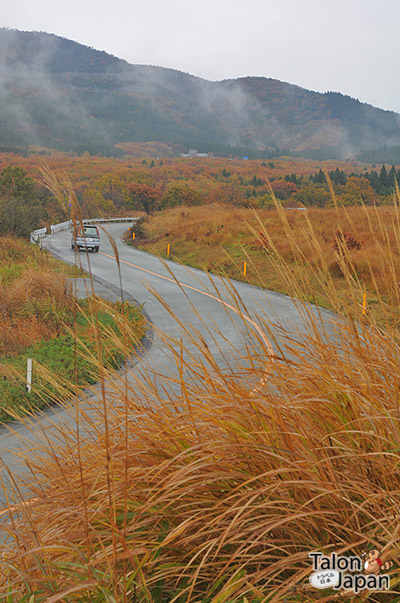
201	303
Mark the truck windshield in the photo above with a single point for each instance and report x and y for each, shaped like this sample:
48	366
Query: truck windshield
91	231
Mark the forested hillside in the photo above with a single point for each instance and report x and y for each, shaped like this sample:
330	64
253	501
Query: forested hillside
55	93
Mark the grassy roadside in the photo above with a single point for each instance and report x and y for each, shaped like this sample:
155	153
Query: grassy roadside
42	320
62	363
323	250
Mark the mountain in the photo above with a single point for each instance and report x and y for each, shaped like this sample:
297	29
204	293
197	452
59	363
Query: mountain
60	94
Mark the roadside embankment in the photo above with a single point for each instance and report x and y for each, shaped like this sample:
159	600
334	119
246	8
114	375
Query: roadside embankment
64	326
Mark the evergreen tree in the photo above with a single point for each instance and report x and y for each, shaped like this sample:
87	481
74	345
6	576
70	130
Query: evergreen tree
383	177
338	176
374	180
152	163
392	176
291	178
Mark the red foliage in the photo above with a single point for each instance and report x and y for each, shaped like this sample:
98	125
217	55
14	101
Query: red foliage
262	243
347	239
282	189
145	197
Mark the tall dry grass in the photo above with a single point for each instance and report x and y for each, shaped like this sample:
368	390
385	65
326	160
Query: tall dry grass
33	296
313	244
217	492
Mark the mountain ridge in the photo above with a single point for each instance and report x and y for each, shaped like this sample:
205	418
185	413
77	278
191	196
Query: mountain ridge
61	94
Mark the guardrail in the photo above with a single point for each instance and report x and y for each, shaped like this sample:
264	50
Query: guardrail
62	226
39	234
100	220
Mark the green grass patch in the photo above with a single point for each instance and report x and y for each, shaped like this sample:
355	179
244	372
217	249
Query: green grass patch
71	359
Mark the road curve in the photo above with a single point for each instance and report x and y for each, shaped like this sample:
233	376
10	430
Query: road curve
191	294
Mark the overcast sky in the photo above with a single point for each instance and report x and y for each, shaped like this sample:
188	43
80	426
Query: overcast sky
349	46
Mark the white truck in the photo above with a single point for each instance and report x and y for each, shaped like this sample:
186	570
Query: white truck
86	237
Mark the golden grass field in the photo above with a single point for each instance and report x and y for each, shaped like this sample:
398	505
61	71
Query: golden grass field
218	494
321	248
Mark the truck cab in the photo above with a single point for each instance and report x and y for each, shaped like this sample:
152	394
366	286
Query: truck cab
86	237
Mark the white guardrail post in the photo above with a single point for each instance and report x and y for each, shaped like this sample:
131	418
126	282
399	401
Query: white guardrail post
38	235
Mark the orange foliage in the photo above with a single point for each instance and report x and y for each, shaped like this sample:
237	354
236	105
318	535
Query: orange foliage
144	197
283	189
104	185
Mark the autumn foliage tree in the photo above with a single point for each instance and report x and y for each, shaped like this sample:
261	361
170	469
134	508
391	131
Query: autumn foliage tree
21	209
180	193
144	197
357	191
283	189
313	196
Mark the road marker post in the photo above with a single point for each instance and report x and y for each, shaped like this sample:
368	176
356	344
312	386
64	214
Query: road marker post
133	236
244	268
29	375
364	304
168	249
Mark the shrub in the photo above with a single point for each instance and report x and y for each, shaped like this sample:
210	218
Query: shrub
346	239
138	227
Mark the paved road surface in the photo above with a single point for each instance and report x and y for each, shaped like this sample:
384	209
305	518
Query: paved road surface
141	271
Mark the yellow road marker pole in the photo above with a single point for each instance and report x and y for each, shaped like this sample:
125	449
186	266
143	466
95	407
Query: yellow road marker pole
168	249
133	236
244	268
364	304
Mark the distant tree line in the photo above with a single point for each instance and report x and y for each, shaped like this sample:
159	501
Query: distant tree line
376	186
106	187
383	183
